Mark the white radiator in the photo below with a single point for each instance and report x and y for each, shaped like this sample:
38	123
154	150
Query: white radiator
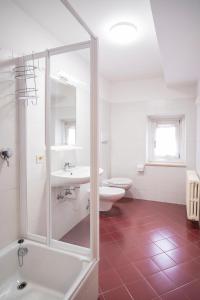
192	195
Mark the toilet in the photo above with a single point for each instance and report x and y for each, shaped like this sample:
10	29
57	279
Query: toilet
118	182
113	189
108	196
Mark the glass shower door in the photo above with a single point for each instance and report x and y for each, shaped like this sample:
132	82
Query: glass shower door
70	147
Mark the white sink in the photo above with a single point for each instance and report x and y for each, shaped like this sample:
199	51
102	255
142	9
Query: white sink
77	175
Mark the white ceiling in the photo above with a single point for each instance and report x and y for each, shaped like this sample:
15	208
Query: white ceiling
138	60
177	25
178	30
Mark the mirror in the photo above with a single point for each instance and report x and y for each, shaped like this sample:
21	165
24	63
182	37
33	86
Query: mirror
63	113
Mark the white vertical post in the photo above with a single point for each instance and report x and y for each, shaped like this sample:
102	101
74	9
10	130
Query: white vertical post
22	115
94	150
48	151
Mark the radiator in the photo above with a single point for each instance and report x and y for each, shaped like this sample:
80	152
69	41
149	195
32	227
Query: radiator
192	196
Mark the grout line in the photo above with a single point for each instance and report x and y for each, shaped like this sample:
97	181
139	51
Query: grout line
144	278
113	289
181	287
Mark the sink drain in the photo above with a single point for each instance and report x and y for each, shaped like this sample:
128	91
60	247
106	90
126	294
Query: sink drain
22	285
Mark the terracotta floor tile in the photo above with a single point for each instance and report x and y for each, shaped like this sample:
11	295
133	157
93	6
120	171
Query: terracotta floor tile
177	294
192	290
177	240
193	250
129	274
179	275
106	237
167	232
104	264
109	280
151	249
155	236
135	254
192	268
108	249
163	261
120	293
118	260
161	283
166	245
141	290
126	245
197	260
189	236
147	267
179	255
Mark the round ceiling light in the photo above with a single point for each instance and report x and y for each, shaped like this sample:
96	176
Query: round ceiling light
123	33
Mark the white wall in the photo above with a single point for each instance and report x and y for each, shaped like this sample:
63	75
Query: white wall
104	122
131	103
198	130
9	185
149	89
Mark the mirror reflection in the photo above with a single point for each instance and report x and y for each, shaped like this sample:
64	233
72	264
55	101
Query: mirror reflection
63	113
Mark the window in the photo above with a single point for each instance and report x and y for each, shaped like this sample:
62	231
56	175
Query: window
69	133
166	139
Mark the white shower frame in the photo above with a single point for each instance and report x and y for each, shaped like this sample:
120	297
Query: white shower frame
92	45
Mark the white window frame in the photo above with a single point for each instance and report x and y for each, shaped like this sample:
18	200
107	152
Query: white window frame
179	121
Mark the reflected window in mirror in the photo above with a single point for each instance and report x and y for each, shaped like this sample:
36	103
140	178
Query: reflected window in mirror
63	113
69	132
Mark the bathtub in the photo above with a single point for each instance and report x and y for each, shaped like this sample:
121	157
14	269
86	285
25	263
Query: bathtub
50	274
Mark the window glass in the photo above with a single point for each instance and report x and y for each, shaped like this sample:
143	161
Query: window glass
69	133
166	141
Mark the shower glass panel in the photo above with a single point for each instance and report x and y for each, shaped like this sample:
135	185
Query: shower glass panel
70	147
34	112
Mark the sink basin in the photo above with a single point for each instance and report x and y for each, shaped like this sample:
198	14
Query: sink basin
77	175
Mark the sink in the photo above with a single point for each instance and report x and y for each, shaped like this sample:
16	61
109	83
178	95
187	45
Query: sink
77	175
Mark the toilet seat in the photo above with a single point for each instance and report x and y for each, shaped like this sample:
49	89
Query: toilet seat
118	182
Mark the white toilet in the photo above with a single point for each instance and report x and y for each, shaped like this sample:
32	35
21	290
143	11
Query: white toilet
108	196
118	182
113	189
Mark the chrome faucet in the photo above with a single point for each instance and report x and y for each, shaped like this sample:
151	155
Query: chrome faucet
22	251
68	166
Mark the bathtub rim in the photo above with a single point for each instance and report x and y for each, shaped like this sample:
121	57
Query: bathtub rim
53	248
67	247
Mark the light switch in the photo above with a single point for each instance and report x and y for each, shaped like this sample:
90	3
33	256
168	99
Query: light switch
39	159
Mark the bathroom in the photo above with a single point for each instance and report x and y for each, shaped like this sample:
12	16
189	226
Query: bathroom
99	144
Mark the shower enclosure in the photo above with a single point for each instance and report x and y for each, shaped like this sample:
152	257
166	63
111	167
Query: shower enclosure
58	125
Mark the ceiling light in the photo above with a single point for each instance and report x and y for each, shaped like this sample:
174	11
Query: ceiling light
123	33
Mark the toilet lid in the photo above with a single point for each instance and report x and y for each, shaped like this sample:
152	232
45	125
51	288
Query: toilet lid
119	181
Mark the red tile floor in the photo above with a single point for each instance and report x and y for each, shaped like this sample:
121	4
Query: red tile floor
148	250
80	234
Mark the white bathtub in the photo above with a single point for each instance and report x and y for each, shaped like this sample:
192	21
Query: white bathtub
50	274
